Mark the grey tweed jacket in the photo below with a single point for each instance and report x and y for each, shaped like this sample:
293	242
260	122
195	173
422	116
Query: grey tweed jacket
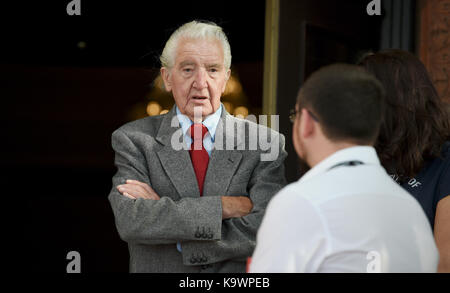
144	151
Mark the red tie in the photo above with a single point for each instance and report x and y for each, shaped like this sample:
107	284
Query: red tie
199	156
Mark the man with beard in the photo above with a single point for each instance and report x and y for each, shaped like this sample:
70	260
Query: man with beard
345	214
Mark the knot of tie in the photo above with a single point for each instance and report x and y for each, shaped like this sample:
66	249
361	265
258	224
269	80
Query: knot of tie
198	131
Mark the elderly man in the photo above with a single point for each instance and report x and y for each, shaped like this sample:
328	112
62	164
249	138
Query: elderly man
194	208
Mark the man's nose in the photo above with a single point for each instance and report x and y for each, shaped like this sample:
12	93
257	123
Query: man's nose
200	80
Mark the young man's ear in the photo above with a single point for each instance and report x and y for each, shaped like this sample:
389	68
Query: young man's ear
165	74
307	126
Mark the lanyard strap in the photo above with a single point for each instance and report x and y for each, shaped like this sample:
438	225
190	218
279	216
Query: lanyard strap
347	163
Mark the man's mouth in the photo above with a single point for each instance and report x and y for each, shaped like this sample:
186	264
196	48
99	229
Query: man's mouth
199	98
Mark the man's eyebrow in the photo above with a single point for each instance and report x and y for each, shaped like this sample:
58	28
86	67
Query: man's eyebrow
186	63
216	65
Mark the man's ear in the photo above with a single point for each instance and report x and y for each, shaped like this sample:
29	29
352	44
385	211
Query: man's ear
307	126
227	77
165	74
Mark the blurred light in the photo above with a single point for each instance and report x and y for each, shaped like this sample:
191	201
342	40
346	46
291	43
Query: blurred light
228	106
165	111
233	86
242	111
153	108
81	45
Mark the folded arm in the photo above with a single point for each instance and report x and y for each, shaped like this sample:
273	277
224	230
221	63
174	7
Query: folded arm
238	234
153	221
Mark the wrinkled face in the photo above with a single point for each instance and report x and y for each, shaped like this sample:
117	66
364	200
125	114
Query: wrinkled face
198	77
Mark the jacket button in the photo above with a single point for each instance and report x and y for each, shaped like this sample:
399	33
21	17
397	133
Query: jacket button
203	258
203	234
193	259
197	233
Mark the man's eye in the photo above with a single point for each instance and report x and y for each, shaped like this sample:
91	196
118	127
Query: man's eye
187	70
213	70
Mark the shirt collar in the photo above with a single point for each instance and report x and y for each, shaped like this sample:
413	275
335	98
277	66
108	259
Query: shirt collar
365	154
211	121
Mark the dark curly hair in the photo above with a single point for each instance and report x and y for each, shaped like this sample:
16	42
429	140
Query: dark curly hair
415	123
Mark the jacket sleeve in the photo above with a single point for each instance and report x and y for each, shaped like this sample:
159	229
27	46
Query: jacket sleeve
238	236
163	221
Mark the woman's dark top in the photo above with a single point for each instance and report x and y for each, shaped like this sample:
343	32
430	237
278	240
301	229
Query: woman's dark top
432	183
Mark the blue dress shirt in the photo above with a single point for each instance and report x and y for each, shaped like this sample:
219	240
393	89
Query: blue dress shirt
210	122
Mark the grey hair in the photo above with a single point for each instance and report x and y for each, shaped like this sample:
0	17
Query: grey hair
195	30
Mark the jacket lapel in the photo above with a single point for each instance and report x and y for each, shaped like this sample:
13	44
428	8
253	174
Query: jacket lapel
223	162
221	168
176	162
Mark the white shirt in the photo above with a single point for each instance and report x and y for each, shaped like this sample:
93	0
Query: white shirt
345	219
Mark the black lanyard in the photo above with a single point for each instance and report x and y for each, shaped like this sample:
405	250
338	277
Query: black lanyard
347	163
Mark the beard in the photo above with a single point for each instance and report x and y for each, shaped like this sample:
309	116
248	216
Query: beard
301	158
302	164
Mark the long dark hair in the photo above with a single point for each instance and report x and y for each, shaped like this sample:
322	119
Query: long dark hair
415	123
